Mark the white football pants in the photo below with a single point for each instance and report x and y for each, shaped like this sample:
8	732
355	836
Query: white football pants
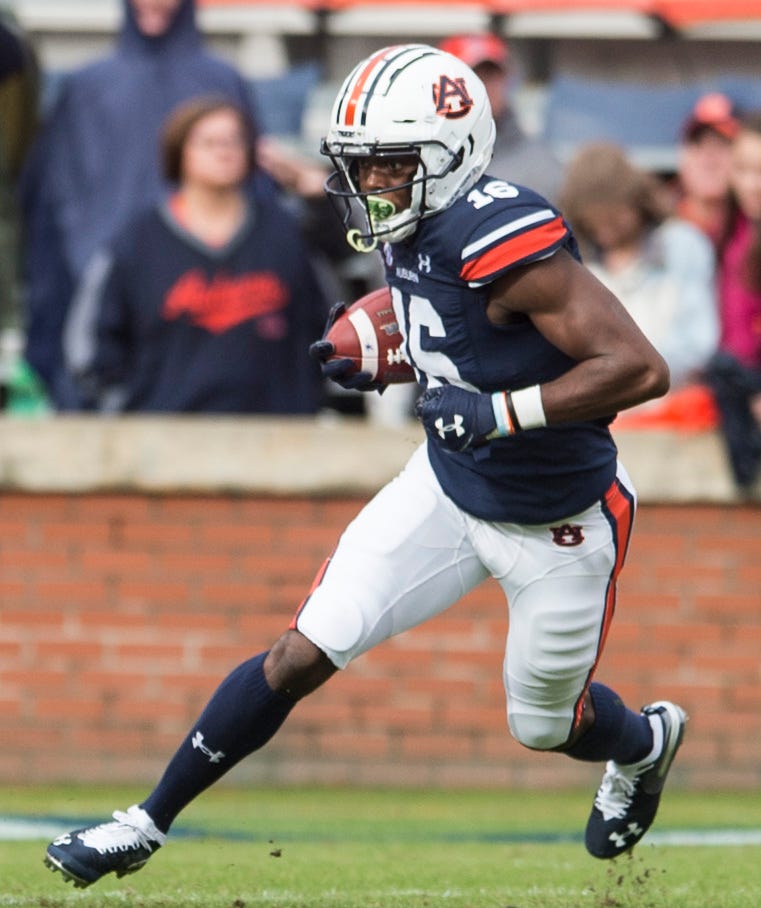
411	553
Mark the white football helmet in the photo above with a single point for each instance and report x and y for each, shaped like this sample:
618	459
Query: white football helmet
409	99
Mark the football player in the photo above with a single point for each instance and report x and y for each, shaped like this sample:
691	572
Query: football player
524	358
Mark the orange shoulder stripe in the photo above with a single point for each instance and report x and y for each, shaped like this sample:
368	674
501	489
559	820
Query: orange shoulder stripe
513	249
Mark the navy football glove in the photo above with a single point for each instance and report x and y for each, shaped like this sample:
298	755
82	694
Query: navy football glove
341	371
455	418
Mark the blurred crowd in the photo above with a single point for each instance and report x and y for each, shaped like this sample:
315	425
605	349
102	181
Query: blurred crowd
158	253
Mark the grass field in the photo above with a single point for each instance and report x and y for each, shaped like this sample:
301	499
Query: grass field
331	848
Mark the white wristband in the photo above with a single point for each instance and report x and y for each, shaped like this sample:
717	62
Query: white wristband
527	407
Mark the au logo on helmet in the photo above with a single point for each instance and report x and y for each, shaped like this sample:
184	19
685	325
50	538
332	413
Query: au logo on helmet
451	98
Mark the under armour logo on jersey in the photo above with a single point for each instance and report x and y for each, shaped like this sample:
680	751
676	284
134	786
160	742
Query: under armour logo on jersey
454	426
424	263
619	838
451	98
567	534
214	755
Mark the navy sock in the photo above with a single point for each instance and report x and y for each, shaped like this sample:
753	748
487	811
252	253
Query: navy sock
242	715
617	734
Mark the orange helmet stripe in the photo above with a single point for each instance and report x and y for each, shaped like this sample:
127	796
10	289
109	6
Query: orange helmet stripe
359	84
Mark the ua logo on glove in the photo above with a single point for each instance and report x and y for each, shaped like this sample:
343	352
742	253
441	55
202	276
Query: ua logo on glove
455	418
454	426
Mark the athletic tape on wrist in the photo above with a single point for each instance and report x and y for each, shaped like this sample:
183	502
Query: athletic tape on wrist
527	409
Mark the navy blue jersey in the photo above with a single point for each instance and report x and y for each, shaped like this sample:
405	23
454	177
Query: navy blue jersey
440	285
167	324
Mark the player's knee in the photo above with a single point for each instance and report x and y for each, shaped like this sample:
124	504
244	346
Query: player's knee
539	731
333	625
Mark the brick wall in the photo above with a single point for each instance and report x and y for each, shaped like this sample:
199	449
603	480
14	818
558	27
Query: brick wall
121	612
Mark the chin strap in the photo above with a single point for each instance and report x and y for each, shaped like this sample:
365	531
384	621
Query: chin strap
360	243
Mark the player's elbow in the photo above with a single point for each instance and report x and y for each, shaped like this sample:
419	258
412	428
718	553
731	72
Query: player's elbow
649	378
656	378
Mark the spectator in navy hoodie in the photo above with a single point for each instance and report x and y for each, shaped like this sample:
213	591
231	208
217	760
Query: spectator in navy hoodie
206	302
95	163
18	103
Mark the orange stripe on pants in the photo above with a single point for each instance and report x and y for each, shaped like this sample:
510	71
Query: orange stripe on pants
619	508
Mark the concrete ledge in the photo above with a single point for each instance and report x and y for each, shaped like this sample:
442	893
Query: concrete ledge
210	455
679	467
200	455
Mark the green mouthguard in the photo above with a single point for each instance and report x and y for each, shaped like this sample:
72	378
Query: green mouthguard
379	208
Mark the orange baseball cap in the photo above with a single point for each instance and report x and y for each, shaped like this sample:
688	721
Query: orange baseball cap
712	111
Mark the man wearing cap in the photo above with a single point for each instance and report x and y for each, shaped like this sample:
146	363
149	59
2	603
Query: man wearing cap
519	158
704	161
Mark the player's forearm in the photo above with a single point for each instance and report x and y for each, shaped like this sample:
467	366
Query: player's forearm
600	386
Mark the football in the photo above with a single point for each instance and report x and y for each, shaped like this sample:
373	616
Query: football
368	334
